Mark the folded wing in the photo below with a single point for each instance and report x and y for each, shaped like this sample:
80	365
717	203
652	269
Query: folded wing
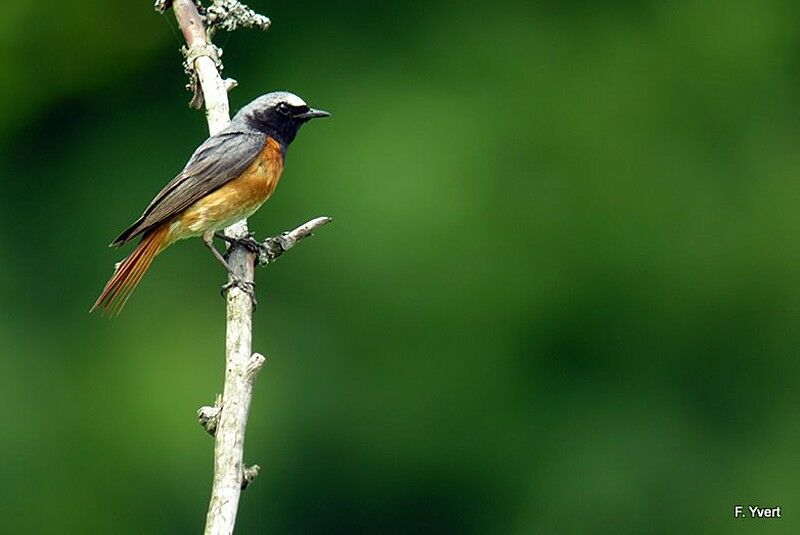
220	159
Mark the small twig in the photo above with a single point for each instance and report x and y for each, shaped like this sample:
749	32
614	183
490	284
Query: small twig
208	417
254	366
275	246
230	83
249	474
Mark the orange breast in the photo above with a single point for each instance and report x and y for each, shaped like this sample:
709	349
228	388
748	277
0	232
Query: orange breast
237	199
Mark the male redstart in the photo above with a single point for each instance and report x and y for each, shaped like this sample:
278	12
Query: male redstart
226	180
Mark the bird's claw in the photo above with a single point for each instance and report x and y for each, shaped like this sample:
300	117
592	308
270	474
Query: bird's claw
247	287
266	251
247	241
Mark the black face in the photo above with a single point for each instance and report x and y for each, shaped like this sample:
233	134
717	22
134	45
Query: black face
283	120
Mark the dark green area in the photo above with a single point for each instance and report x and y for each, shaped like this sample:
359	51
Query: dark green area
561	293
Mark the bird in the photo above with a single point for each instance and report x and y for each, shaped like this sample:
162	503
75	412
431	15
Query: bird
227	178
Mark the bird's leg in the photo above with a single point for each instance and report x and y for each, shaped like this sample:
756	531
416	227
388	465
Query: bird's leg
247	287
210	244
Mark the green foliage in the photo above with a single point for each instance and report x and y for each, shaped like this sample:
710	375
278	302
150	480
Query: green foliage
560	294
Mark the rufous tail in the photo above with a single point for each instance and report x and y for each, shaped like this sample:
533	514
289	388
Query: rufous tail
130	271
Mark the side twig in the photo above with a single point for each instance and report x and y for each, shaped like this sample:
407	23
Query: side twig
273	247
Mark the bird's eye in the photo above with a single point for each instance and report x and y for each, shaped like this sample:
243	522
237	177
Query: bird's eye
284	108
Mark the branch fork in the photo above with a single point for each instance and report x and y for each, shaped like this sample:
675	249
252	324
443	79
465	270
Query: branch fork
271	248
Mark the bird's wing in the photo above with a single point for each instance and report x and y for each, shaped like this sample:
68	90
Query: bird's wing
220	159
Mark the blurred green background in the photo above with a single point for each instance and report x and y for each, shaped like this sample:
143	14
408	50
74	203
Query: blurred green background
560	295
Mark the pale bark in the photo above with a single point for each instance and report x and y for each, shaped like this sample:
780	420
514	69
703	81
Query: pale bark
227	419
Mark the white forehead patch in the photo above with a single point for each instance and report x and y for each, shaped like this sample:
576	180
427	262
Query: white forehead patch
294	100
271	99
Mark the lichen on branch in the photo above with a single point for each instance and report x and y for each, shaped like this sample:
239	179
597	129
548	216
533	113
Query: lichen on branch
228	15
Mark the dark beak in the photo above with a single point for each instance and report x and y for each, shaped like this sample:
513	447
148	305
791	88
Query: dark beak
311	114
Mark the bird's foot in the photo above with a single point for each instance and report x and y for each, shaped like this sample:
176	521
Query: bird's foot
266	251
247	287
248	242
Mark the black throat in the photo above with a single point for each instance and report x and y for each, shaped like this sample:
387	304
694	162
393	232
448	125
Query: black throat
283	129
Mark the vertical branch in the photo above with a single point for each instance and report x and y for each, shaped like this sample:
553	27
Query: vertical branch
241	365
203	58
227	419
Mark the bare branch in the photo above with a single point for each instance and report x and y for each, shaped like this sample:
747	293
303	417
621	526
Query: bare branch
226	420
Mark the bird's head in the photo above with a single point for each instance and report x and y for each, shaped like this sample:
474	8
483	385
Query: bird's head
279	114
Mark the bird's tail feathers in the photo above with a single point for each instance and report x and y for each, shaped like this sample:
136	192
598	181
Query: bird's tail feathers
130	271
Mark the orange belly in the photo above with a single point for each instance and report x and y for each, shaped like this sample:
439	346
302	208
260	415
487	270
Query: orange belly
236	200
